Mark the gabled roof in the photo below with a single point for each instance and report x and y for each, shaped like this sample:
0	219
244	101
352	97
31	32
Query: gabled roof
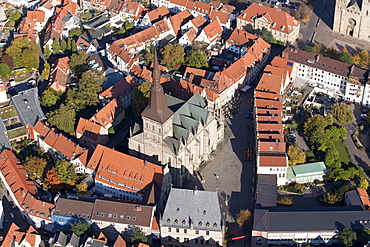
88	128
119	90
271	83
213	30
36	16
59	74
179	19
108	113
241	38
28	106
283	63
120	242
69	207
277	19
186	208
126	169
199	21
273	159
158	13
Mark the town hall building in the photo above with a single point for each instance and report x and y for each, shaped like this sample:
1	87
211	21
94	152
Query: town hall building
177	133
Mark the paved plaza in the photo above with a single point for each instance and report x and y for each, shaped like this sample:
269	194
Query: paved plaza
228	173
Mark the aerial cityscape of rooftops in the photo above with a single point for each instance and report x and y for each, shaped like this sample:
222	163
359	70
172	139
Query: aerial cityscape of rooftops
184	123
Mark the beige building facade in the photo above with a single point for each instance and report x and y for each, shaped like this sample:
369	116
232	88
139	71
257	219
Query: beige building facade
351	17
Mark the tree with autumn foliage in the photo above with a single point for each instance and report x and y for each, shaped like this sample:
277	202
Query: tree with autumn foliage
244	217
52	181
173	54
35	166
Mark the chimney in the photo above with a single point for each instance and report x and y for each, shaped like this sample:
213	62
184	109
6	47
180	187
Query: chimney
195	192
145	163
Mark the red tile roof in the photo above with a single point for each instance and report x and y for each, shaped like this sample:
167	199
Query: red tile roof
199	21
240	38
59	74
179	19
36	16
283	63
271	82
279	20
88	128
123	168
213	30
158	13
273	159
108	113
120	89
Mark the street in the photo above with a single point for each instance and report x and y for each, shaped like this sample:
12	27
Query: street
228	173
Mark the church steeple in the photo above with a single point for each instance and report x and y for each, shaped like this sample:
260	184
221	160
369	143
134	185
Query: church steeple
157	109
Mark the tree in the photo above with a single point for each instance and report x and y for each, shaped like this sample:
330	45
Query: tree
345	56
331	52
14	15
129	25
82	187
78	62
24	52
363	236
331	199
63	118
50	97
197	59
66	172
296	155
342	112
341	190
5	71
364	184
309	49
46	71
362	59
138	237
314	128
141	96
335	133
149	54
56	46
266	35
47	51
244	217
77	31
73	46
285	201
173	54
303	13
80	227
319	48
35	167
7	60
90	86
329	119
347	237
63	45
52	181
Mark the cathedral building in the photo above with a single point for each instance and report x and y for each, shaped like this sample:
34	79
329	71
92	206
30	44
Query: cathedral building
351	17
177	133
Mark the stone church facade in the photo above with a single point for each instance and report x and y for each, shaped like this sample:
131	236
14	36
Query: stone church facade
352	17
177	133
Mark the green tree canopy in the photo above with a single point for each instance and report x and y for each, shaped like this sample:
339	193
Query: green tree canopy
335	133
345	56
314	128
347	237
46	71
309	49
342	112
78	62
296	155
90	85
141	96
266	35
66	172
77	31
47	51
5	71
35	166
24	52
14	15
138	237
50	97
56	46
197	59
364	184
331	52
63	118
129	25
149	54
331	199
173	54
80	227
329	119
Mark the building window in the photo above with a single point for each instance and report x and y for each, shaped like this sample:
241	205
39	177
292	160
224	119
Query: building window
196	231
185	230
207	232
169	229
177	230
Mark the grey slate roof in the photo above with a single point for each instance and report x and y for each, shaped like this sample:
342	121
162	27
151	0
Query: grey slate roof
75	240
184	207
266	193
97	21
186	120
28	106
4	142
353	198
74	208
310	218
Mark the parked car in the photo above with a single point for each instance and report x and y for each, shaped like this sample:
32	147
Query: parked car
12	90
31	82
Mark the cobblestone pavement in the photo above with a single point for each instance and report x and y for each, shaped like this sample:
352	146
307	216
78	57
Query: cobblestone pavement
228	173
